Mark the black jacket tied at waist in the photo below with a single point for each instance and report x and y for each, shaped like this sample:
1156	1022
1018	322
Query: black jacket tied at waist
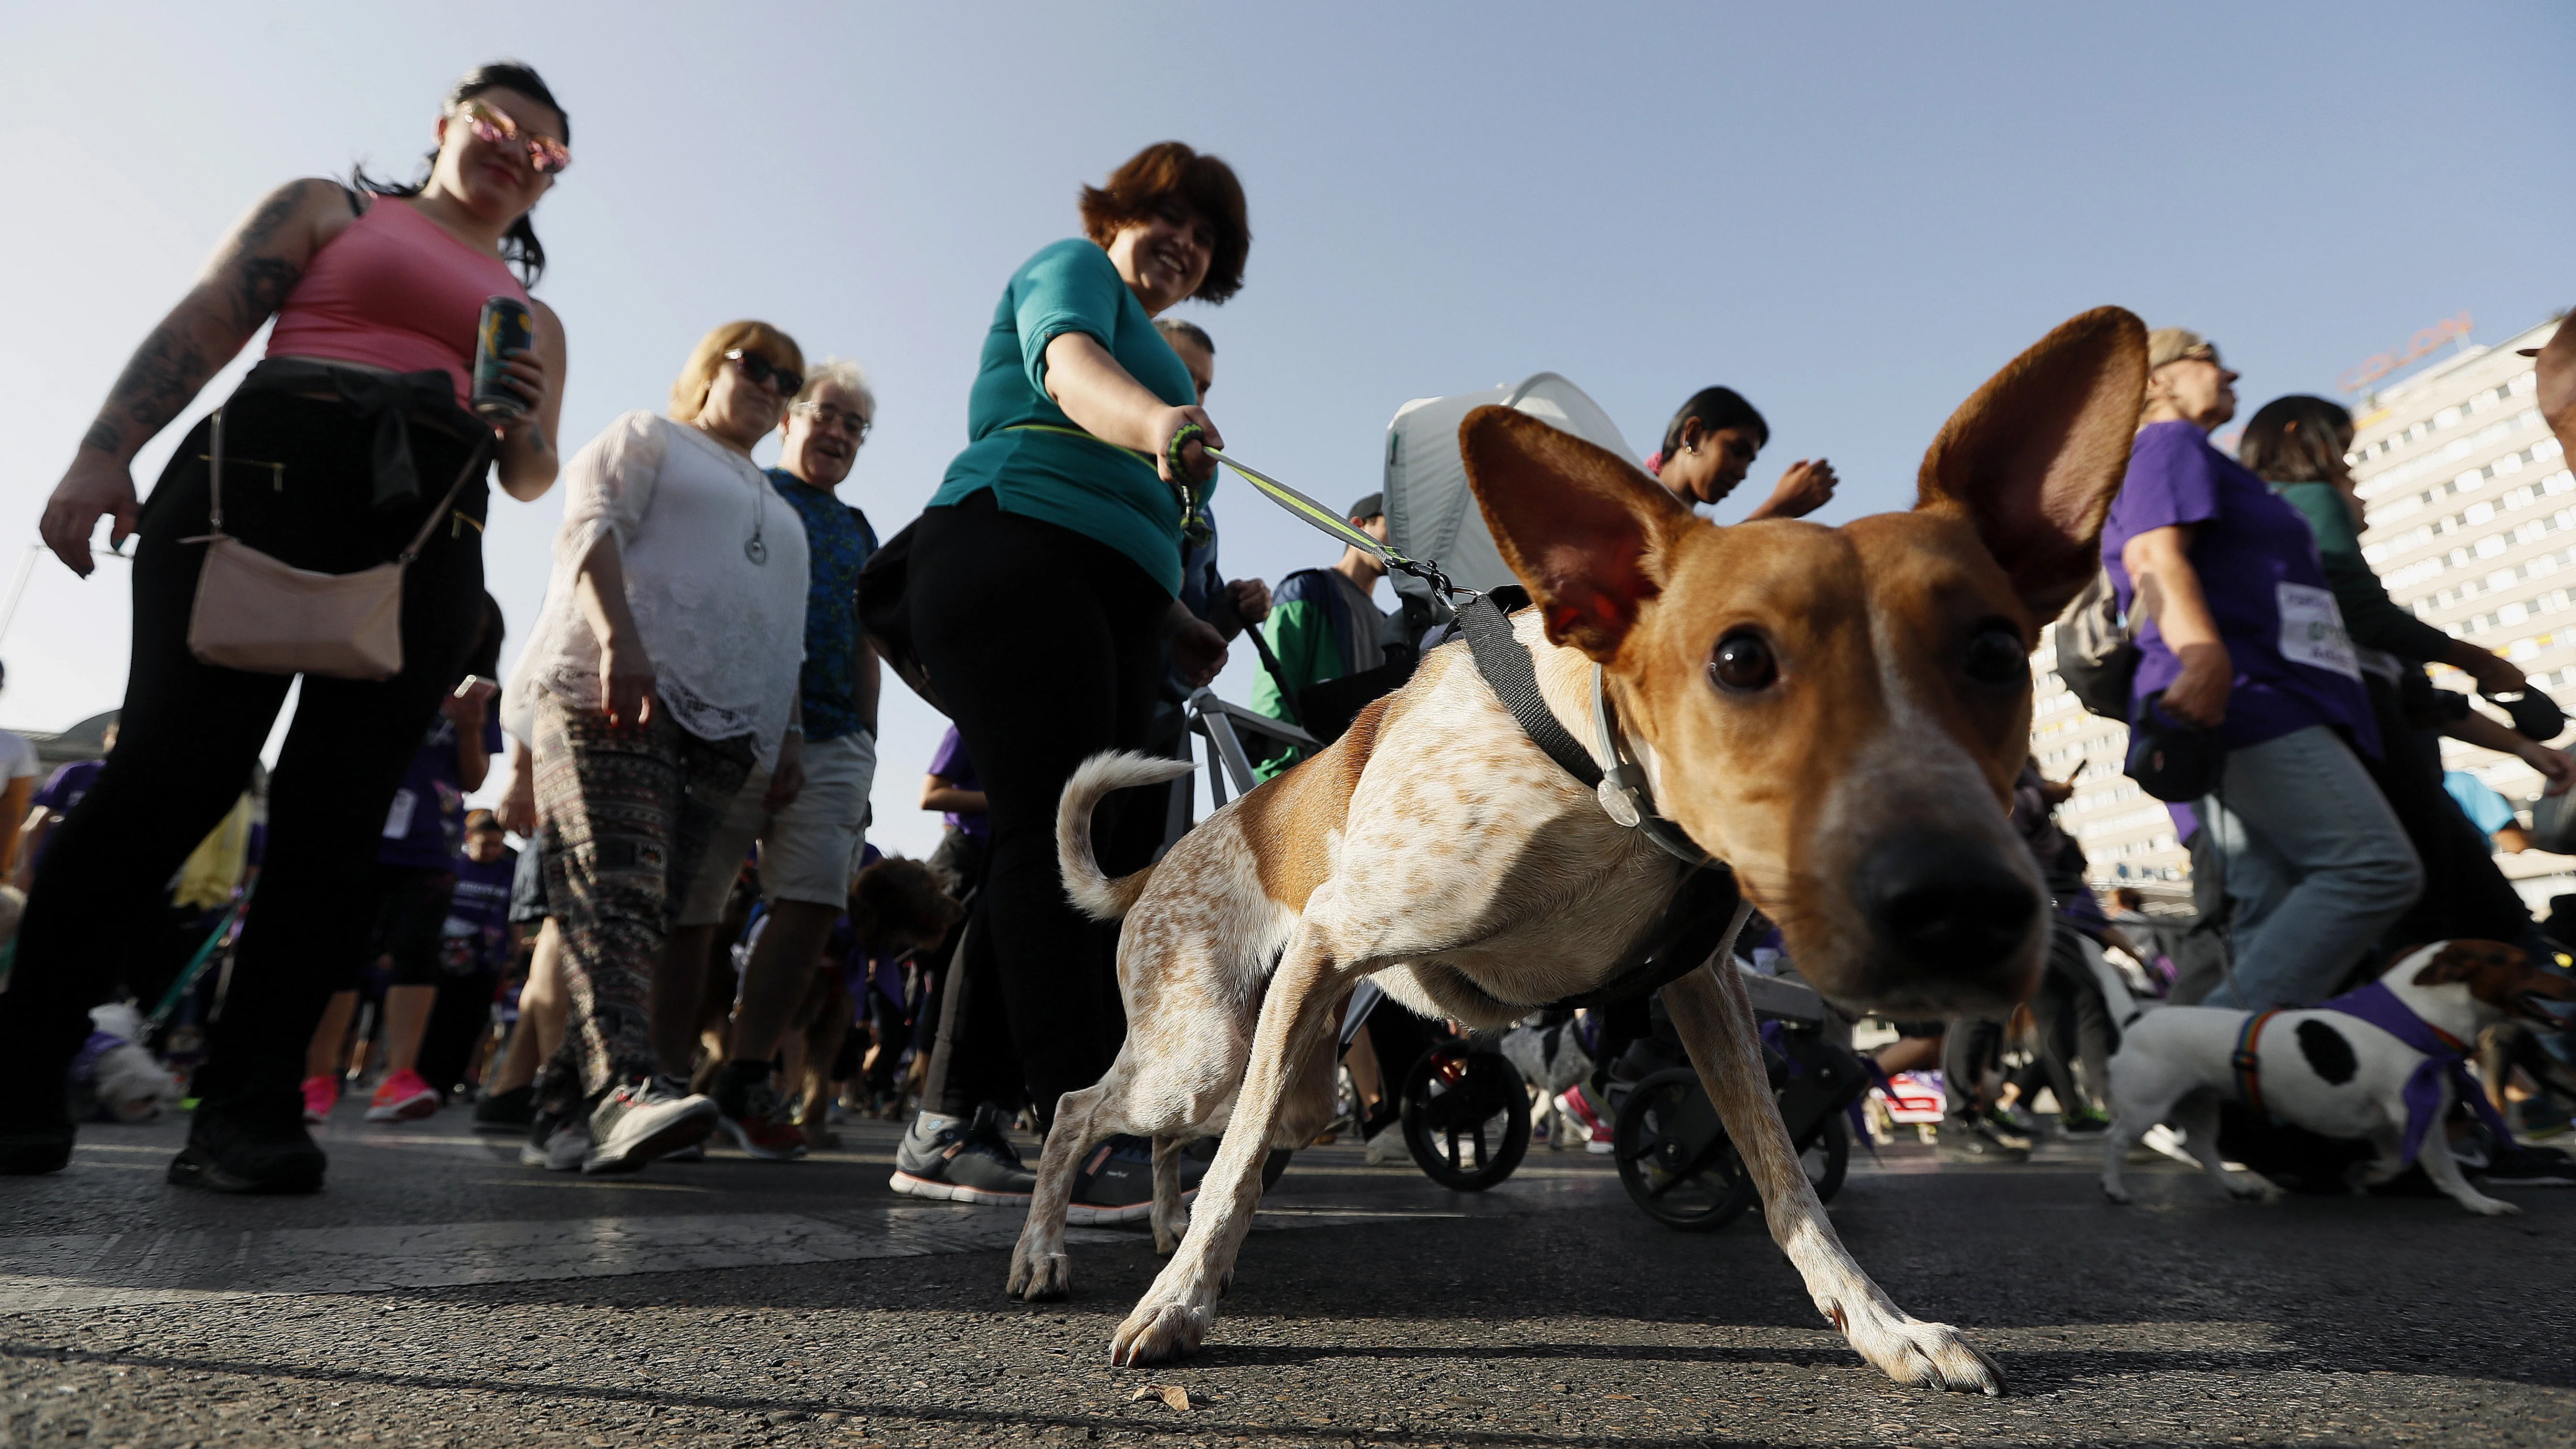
393	399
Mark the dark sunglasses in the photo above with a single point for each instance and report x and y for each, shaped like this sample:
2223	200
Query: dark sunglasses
784	381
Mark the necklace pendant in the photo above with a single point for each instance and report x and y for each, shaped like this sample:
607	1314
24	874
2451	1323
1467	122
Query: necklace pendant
756	551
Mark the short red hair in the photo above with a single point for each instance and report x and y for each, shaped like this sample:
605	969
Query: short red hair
1160	175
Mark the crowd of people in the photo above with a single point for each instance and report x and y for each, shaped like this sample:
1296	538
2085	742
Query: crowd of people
696	939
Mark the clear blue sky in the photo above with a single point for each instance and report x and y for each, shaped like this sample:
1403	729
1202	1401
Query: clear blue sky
1853	214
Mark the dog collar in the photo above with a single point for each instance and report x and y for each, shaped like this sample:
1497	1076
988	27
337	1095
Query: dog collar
1624	792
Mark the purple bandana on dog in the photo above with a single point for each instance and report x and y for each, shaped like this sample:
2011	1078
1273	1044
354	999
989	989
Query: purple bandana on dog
2443	1055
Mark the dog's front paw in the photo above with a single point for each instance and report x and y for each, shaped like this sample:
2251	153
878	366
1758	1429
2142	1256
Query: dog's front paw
2493	1207
1036	1277
1158	1333
2118	1196
1911	1351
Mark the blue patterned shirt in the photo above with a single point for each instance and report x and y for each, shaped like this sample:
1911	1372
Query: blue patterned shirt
838	541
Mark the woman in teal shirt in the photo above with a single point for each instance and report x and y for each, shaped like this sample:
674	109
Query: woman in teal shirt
1043	583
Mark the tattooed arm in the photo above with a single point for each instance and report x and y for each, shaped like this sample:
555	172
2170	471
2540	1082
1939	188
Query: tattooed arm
240	289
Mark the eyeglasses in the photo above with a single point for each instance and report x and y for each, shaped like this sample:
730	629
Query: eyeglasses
850	421
493	127
784	381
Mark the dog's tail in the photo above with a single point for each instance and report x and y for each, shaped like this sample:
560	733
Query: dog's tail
1100	897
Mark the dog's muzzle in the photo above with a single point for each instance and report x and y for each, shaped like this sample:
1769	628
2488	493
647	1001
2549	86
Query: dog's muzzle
1949	906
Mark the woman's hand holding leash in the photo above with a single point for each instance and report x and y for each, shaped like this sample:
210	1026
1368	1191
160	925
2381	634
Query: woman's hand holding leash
1189	434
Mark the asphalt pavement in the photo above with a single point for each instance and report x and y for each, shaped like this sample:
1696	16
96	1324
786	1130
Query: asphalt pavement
437	1293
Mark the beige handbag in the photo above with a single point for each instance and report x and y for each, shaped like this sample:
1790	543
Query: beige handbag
256	613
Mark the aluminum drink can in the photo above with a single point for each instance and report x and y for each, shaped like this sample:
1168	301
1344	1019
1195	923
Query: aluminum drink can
503	329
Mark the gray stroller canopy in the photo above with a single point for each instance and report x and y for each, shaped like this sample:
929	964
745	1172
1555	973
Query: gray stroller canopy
1431	513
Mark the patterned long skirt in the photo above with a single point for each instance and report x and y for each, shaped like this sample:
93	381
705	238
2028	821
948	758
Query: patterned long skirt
624	816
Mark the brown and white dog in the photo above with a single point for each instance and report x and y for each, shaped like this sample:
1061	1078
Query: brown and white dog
2323	1070
1837	712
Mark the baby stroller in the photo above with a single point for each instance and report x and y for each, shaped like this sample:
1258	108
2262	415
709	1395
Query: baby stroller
1674	1157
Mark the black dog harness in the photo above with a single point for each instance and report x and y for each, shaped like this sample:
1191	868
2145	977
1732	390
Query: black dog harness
1703	910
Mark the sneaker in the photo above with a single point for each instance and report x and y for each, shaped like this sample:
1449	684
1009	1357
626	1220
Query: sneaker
404	1096
1965	1140
969	1160
557	1144
2083	1124
512	1111
1593	1126
748	1111
321	1094
2013	1122
2529	1166
694	1152
249	1148
1115	1184
1387	1149
642	1120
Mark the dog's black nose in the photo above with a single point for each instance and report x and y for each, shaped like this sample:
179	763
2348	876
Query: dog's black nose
1945	903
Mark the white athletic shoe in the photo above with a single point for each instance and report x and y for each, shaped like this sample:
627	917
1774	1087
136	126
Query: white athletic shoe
643	1120
556	1146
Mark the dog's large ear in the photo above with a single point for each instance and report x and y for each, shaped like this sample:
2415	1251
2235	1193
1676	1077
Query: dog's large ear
2034	459
2557	399
1583	530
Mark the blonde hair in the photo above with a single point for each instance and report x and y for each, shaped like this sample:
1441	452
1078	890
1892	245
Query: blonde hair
698	378
846	375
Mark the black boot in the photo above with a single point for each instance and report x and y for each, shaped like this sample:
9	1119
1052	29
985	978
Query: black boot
253	1143
35	1121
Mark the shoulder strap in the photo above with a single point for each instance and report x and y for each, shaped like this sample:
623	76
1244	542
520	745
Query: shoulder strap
474	465
1513	676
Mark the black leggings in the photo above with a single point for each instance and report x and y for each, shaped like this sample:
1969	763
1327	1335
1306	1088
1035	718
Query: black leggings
411	918
1046	646
297	487
2464	894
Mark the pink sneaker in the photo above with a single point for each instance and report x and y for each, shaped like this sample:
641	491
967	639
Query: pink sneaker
404	1096
321	1094
1577	1104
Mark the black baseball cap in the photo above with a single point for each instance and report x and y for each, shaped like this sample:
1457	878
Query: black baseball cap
1368	507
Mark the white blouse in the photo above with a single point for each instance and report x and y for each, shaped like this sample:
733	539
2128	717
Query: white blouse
715	576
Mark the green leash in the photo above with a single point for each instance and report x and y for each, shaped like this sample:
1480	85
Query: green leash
1323	519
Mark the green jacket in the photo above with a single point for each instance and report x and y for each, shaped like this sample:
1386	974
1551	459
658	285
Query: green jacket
2370	617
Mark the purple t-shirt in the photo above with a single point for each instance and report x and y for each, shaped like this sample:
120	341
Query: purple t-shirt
478	914
2266	590
68	785
425	824
951	765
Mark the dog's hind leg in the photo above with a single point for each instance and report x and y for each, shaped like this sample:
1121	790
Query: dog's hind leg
1171	1215
1717	1025
1039	1267
1172	1318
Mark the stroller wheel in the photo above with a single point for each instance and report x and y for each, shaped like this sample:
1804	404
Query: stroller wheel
1466	1116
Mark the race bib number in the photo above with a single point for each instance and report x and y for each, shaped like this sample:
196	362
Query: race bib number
2312	631
398	819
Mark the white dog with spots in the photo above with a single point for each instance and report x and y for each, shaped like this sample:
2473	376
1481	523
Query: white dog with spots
2325	1070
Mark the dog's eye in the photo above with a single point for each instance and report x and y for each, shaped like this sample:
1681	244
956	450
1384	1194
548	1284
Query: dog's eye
1996	655
1743	663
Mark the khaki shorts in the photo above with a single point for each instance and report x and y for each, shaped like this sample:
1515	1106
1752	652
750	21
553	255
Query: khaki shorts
809	850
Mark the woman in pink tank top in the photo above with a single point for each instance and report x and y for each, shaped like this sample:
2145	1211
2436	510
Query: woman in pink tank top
339	450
